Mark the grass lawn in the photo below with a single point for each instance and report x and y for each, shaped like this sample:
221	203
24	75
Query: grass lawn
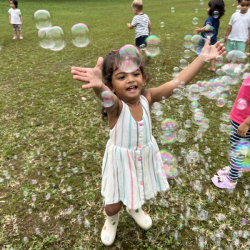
53	140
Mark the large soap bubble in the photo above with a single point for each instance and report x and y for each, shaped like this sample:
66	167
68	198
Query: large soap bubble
169	168
236	56
42	19
55	37
153	43
128	59
80	35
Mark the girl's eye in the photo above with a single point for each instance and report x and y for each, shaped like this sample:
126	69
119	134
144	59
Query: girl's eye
121	78
136	74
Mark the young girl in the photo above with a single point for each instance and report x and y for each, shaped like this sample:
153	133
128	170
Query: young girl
130	164
216	9
240	120
237	36
15	19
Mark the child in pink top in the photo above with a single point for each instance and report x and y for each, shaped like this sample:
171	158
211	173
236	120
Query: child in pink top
240	120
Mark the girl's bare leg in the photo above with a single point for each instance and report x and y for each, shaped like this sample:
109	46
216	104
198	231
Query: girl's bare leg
113	209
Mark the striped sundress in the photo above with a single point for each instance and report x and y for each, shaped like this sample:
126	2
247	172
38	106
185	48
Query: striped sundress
130	163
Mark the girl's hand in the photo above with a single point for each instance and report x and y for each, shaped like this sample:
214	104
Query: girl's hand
128	25
211	51
91	76
242	129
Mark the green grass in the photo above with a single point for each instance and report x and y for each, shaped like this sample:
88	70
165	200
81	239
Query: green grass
43	116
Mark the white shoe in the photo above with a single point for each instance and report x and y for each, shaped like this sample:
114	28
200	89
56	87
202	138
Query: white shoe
141	218
109	230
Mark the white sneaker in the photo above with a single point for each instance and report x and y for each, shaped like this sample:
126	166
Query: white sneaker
109	230
142	218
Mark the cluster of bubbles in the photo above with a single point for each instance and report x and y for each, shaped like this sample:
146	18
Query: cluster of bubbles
53	37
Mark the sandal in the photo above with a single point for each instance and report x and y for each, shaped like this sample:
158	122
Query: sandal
224	171
223	182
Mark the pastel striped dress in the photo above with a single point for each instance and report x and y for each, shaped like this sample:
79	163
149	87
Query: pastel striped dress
130	163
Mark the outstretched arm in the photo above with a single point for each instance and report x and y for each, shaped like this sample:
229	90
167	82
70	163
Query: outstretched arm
208	53
199	30
9	18
93	78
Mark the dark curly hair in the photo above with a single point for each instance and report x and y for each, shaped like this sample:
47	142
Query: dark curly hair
217	5
109	66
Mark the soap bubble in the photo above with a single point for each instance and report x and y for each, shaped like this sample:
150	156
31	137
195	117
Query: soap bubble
232	69
182	135
201	2
195	21
55	38
187	53
37	231
42	19
153	45
222	41
218	60
209	31
196	10
188	124
196	39
173	9
242	149
188	41
241	104
220	102
216	14
236	56
183	63
128	59
80	35
169	168
107	98
246	75
246	82
169	134
44	42
25	193
162	24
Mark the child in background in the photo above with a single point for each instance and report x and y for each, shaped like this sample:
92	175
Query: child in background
235	2
140	22
213	5
130	165
15	19
240	120
237	36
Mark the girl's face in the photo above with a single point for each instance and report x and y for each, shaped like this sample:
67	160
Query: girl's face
12	5
208	9
127	86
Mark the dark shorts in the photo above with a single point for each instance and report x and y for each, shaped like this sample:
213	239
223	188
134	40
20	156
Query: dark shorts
140	40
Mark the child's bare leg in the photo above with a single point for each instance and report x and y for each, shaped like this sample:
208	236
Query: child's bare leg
113	209
20	31
15	31
212	66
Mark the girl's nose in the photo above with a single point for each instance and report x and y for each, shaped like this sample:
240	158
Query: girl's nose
130	77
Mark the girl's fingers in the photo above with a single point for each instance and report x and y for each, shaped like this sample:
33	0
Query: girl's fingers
81	78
